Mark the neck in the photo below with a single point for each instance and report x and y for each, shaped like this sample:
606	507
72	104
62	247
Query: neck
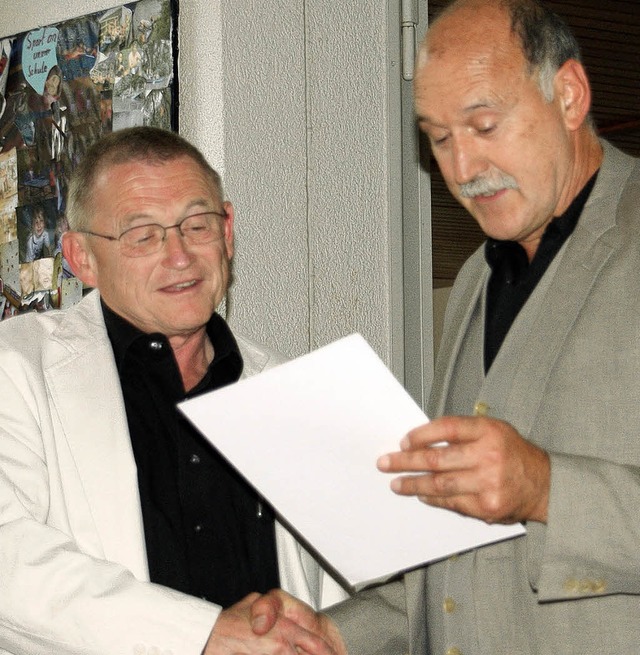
587	159
193	354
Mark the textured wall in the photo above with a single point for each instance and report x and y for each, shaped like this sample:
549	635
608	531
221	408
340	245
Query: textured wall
305	150
266	169
348	201
287	98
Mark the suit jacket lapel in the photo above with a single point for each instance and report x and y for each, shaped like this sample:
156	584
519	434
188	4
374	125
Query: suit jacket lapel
538	335
514	392
459	312
85	391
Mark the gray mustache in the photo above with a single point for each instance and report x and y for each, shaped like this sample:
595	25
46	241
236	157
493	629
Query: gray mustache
484	186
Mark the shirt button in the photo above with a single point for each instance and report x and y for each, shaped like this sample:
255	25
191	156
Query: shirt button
197	528
453	651
156	345
194	459
449	605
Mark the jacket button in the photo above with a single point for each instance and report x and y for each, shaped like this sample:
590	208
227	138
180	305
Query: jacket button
599	586
571	586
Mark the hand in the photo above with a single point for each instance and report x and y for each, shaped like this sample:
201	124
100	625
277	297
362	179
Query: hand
278	605
478	466
232	634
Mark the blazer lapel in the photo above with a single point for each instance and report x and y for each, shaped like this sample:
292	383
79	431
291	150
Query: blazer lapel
539	333
459	313
516	382
85	390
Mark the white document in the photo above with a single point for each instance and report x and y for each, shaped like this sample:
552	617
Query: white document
307	435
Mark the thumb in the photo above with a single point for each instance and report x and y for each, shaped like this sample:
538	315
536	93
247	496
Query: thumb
264	613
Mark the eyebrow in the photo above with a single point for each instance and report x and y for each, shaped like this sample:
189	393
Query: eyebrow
480	104
197	203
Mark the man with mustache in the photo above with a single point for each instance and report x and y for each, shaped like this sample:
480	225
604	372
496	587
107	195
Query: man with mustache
536	386
121	529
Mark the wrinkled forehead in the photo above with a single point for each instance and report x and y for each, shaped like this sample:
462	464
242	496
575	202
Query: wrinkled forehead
181	170
473	30
457	69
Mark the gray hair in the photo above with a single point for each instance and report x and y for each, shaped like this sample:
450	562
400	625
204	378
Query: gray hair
546	40
148	144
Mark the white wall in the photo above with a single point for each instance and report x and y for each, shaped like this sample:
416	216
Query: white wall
288	99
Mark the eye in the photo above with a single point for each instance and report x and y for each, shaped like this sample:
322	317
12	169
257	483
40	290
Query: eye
197	223
486	129
438	140
138	236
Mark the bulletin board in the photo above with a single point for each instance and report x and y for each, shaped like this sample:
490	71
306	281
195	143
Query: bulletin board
62	87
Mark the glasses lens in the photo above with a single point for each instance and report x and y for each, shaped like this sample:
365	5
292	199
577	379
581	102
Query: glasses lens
142	240
201	228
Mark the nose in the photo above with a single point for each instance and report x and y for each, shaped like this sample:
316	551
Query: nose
176	252
467	158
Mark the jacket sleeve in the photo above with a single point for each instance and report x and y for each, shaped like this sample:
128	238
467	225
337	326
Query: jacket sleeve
590	546
55	597
374	621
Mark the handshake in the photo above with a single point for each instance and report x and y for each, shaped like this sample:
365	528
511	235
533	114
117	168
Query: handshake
275	623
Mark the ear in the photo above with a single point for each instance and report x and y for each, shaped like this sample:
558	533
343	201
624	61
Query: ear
228	227
76	250
572	88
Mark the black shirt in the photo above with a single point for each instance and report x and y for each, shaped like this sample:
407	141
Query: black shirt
207	532
513	278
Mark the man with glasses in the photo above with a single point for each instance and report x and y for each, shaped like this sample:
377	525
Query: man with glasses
121	529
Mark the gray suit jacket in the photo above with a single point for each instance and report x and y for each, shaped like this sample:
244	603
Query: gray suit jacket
568	378
73	569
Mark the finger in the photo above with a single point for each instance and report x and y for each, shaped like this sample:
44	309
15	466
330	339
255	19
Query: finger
304	640
436	485
447	429
425	459
434	458
431	435
264	613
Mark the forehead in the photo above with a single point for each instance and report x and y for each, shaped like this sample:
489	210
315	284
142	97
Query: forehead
469	61
142	185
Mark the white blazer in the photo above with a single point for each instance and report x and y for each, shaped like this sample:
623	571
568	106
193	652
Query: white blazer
73	567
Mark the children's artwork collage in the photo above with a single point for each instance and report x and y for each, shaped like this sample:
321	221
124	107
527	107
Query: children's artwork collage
61	88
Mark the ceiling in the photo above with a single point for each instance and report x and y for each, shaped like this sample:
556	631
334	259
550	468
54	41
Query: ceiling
609	36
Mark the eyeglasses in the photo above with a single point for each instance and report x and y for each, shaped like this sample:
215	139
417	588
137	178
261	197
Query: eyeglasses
143	240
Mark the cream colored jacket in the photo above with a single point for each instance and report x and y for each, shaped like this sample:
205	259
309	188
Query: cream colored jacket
73	568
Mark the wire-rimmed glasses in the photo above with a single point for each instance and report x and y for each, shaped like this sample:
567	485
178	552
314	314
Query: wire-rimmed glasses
143	240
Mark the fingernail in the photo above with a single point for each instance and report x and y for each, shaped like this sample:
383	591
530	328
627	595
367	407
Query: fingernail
384	462
405	443
395	485
259	623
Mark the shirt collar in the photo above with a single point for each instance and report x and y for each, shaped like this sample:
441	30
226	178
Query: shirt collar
557	232
124	335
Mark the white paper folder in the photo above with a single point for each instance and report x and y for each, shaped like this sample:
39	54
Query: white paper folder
307	435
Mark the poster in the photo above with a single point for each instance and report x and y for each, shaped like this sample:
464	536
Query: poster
63	86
